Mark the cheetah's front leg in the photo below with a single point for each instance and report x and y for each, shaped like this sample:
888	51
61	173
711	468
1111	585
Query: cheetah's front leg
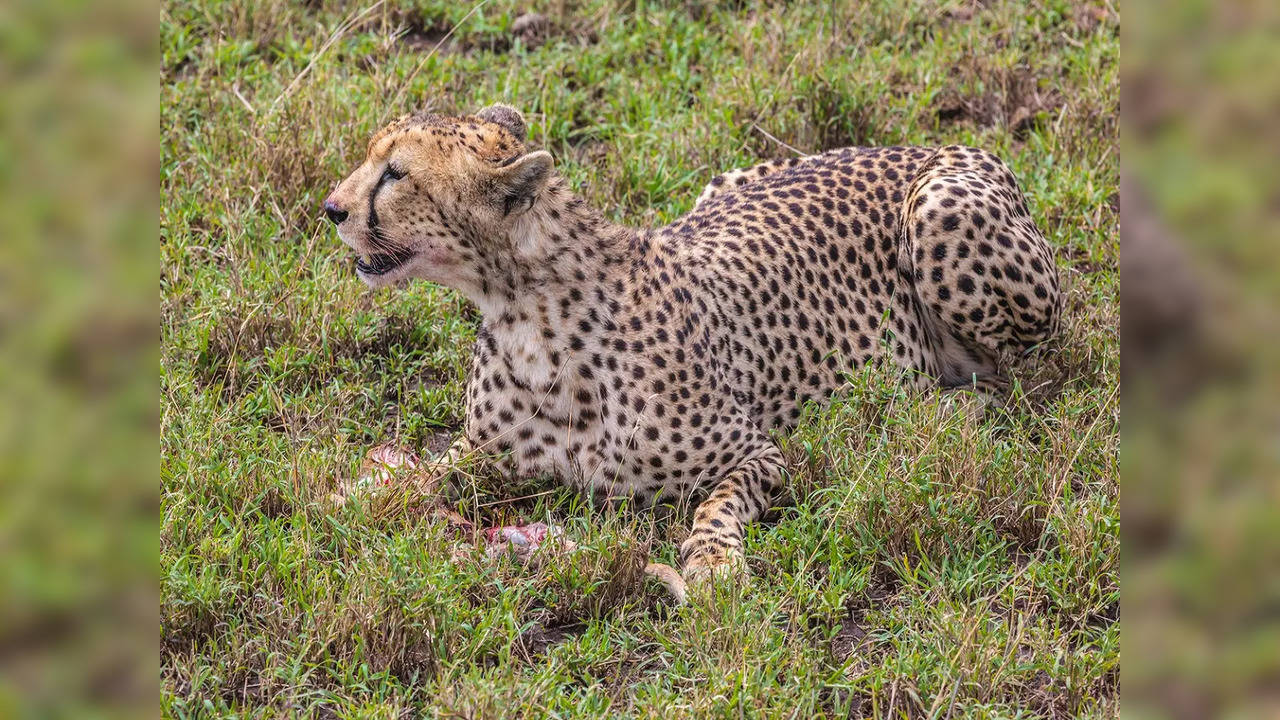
715	545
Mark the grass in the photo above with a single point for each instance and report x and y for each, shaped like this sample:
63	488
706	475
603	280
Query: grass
934	561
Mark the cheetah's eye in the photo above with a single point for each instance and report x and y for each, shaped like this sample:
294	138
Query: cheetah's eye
392	173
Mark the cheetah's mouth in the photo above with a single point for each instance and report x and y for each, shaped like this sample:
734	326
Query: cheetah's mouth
382	263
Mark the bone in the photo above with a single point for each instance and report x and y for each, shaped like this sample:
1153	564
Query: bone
379	470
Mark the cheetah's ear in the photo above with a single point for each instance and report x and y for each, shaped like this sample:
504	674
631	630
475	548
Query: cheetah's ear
506	117
520	182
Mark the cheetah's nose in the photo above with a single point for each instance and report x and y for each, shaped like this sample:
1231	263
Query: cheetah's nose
335	213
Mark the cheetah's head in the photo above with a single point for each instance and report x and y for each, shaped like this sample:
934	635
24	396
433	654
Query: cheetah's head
438	198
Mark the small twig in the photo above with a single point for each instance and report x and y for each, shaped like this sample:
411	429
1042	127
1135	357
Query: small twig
235	88
952	704
766	133
785	72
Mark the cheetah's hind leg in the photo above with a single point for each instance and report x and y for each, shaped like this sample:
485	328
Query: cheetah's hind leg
981	271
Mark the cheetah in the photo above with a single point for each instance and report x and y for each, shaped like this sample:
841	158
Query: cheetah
654	365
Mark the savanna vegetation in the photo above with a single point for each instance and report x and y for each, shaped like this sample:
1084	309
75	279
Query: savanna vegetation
935	560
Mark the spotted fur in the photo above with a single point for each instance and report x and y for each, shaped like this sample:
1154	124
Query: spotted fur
653	364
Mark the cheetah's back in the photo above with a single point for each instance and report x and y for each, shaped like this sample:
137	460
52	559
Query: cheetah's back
813	268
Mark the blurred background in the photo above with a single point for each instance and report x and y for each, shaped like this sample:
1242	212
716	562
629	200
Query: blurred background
1200	245
79	358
